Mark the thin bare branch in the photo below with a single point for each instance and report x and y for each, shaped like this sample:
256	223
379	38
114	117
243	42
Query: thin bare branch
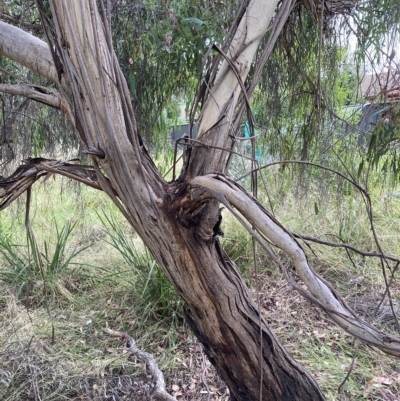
33	169
158	391
333	244
233	196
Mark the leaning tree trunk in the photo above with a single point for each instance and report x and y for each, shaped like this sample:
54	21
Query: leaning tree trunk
179	221
177	224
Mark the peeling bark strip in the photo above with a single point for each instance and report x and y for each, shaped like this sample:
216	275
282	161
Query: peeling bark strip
178	221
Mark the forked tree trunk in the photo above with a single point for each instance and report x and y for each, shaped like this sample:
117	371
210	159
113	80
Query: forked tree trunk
177	221
177	224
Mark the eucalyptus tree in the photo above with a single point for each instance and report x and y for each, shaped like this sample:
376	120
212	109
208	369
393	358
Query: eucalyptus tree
160	47
179	221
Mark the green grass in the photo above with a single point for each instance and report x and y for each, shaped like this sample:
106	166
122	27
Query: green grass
32	266
116	281
156	294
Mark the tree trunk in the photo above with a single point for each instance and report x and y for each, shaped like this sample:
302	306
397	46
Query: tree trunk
178	225
227	322
179	221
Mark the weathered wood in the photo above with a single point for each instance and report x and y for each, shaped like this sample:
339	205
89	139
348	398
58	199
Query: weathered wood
179	226
177	229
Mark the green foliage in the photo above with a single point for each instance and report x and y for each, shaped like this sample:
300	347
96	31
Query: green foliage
160	47
156	294
383	145
312	75
30	269
305	83
376	24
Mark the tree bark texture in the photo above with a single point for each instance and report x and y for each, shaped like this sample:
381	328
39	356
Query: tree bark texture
179	225
226	321
179	221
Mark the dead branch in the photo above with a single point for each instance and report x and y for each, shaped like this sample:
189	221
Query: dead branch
268	231
158	391
33	169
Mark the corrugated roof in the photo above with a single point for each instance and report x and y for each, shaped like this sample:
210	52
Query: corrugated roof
386	84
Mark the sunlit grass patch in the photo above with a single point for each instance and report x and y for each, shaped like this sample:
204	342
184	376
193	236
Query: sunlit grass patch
117	282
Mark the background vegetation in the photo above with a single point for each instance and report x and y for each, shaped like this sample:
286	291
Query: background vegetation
115	281
81	267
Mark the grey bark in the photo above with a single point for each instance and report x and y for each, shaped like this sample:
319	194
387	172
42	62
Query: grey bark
176	220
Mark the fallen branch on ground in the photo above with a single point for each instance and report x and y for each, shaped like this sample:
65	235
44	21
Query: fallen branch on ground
157	391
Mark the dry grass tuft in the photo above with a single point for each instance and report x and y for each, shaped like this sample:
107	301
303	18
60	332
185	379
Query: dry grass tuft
85	364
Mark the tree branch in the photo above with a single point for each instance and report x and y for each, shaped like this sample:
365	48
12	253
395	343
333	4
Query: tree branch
158	391
235	198
331	244
19	21
33	169
41	94
27	50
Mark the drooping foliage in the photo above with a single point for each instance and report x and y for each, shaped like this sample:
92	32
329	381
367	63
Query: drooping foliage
161	47
313	74
310	89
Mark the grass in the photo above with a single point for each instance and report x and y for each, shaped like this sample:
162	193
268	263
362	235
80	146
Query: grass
33	267
116	281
